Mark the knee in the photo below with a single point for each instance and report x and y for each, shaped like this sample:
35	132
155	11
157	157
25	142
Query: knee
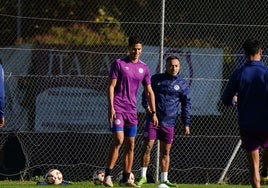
118	142
165	153
147	149
129	145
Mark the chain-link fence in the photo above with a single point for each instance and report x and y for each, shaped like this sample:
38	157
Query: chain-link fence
57	54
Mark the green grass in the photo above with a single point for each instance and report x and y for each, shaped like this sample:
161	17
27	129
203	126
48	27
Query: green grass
32	184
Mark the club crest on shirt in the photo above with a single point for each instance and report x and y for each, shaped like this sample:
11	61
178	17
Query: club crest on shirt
176	87
141	70
127	68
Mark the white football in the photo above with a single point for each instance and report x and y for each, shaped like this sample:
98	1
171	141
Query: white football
53	176
162	185
98	177
131	177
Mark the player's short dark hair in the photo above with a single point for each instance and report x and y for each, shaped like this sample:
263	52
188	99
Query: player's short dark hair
171	58
251	46
134	39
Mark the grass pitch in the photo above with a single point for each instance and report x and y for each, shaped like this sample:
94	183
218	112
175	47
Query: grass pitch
32	184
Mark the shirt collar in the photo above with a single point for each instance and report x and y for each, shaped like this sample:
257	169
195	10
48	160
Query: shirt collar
254	62
171	76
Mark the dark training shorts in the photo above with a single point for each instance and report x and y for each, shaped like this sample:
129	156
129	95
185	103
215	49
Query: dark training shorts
253	140
162	133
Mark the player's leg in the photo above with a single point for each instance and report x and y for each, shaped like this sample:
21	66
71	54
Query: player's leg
130	132
150	132
146	155
128	156
165	161
166	138
254	162
118	139
147	148
264	173
164	156
251	142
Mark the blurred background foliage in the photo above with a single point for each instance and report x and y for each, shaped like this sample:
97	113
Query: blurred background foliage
78	21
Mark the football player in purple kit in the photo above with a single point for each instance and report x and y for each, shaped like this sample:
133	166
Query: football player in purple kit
172	95
249	84
126	76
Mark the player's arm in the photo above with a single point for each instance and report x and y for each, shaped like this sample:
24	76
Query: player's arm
144	103
151	102
111	111
185	100
230	91
2	98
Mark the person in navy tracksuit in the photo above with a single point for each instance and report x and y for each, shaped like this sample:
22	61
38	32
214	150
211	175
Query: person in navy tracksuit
249	85
2	96
172	95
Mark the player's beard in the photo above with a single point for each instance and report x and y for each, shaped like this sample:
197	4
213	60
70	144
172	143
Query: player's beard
134	57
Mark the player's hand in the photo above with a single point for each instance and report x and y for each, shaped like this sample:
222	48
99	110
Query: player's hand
155	120
2	121
186	130
234	100
112	116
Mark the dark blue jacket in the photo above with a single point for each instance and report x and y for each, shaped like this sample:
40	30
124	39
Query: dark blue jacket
172	94
250	83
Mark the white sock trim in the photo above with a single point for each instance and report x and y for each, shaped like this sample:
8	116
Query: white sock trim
143	171
164	176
